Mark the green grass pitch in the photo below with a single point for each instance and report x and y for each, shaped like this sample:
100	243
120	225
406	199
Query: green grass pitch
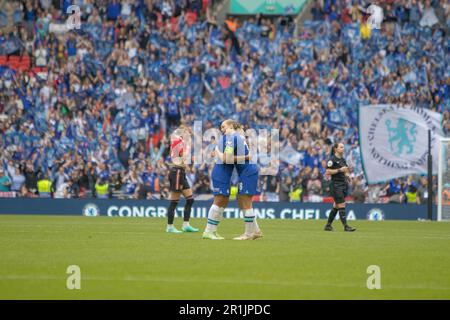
133	258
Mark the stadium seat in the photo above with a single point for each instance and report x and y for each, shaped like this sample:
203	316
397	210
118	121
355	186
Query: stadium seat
327	200
20	63
256	198
14	59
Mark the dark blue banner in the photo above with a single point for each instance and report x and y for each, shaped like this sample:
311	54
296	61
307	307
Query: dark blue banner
158	208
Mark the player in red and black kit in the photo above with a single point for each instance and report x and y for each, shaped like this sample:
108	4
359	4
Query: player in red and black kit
178	184
338	169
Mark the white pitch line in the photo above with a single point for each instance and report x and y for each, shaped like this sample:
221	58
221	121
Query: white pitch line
383	236
248	282
90	233
68	223
312	235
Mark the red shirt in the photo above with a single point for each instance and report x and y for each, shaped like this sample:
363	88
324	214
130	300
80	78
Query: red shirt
179	149
176	147
345	16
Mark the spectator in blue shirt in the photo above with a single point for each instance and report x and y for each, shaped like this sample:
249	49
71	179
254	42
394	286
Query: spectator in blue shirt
113	10
316	11
311	158
5	182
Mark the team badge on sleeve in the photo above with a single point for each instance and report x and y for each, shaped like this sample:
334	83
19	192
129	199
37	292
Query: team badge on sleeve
330	163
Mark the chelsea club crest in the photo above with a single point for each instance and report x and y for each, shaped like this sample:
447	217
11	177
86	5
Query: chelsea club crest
375	215
91	210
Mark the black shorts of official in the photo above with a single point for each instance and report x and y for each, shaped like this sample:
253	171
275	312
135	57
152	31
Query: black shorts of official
338	192
177	179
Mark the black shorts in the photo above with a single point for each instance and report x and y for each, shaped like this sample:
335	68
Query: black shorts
177	180
338	192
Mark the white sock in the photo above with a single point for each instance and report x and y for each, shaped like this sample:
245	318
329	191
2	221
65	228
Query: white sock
249	218
169	225
185	224
214	217
256	226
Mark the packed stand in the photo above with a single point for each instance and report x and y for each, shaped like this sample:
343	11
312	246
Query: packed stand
93	116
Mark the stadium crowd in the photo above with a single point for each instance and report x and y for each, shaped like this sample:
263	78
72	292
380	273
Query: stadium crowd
93	115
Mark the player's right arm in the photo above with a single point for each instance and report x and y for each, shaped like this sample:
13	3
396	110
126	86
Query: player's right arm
230	158
241	146
228	155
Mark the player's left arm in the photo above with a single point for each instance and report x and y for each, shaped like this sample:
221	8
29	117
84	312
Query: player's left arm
347	173
241	158
228	155
348	178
